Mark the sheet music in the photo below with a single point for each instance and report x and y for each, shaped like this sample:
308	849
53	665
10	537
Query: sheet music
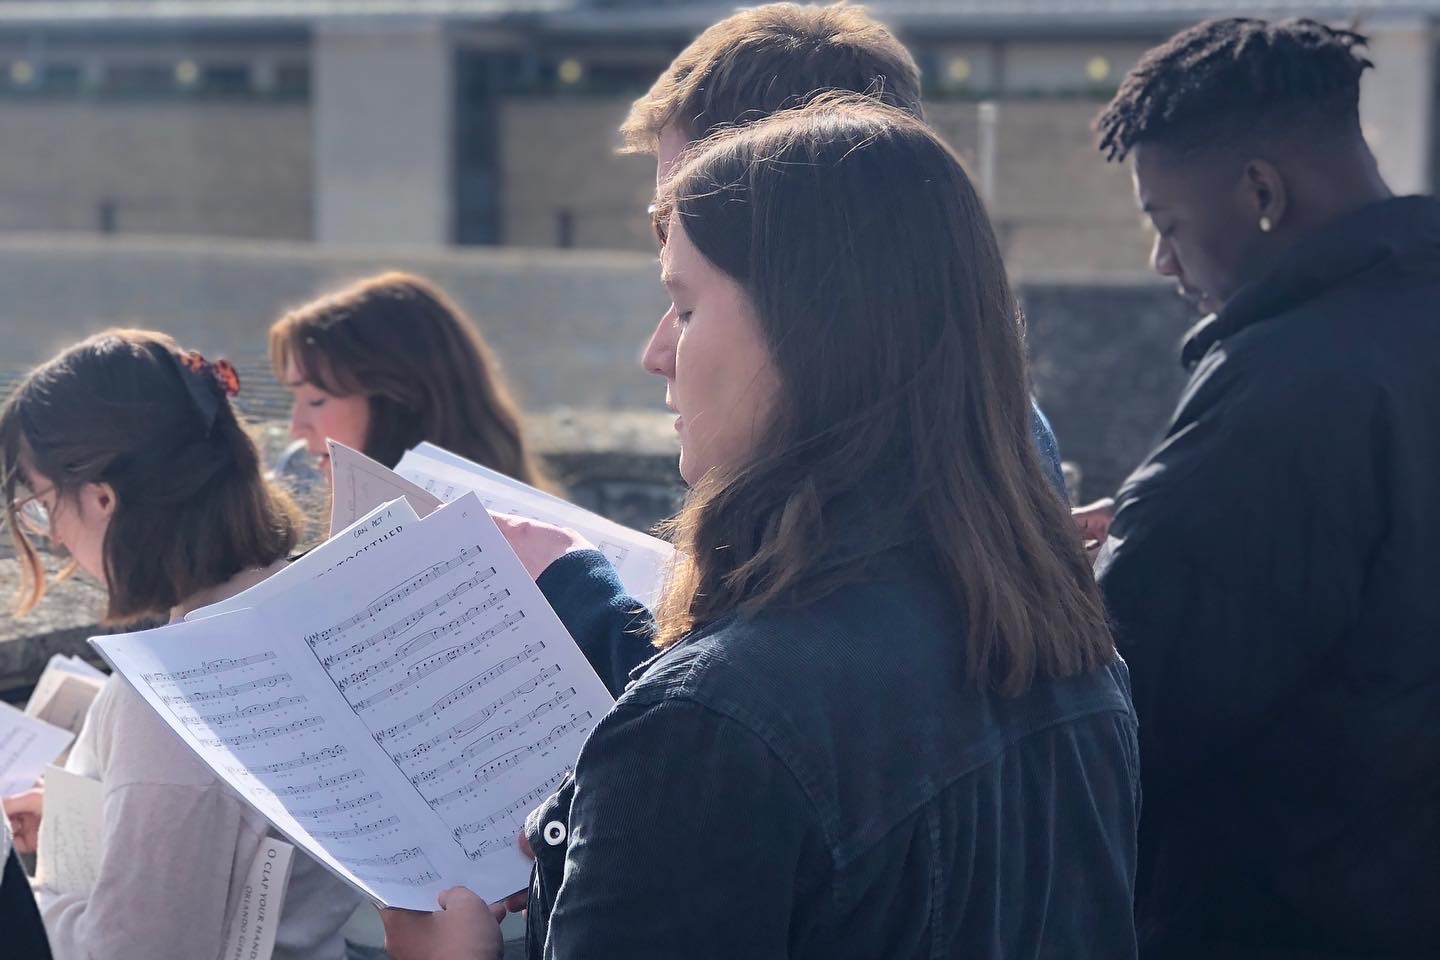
72	832
430	451
64	692
396	719
368	533
358	485
640	560
27	746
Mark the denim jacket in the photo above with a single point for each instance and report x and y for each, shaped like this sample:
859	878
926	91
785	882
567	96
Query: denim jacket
822	782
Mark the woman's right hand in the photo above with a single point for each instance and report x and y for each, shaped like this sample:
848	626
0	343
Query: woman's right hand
24	811
464	928
1093	522
538	544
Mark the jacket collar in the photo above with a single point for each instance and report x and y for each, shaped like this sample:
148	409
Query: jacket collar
1329	258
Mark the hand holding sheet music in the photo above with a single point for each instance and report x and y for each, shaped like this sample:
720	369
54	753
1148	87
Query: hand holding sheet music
397	717
640	560
27	746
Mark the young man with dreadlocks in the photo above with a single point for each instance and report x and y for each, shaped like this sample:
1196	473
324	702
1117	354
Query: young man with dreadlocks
1273	569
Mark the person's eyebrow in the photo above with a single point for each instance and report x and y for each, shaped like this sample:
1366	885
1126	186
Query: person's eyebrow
672	281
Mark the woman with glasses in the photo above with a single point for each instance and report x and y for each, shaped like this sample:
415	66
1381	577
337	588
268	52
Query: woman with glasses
125	453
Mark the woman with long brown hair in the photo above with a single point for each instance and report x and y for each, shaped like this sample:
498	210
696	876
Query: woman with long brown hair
391	361
887	718
125	452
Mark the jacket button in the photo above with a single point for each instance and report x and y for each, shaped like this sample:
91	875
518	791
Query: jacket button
554	833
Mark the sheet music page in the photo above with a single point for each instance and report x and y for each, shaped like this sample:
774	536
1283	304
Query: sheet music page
63	694
396	719
79	667
252	703
367	533
72	833
358	485
27	746
430	451
640	560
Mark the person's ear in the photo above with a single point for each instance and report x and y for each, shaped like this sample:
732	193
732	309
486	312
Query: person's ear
1263	196
98	499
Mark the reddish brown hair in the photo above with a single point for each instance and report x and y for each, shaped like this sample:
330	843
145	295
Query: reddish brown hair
428	374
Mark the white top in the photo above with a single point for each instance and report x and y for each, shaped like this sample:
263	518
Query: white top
178	844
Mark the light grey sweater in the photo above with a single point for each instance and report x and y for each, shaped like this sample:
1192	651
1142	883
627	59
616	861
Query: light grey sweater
178	845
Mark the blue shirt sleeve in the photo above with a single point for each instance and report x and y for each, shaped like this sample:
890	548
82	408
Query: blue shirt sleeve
612	628
1049	448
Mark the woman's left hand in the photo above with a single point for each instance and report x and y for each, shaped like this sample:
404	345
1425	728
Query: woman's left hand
538	544
464	928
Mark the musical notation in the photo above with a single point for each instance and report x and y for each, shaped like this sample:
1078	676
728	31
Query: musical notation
477	719
528	653
225	693
392	860
616	552
394	596
209	668
304	760
485	848
340	806
423	640
405	623
240	713
264	733
324	783
417	880
454	653
491	769
351	833
428	666
480	745
520	804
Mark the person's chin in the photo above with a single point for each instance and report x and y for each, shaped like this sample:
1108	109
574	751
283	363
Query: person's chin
1202	302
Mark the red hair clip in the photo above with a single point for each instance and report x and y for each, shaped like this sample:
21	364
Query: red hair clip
222	370
227	376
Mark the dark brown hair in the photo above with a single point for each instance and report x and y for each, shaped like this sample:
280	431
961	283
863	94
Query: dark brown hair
192	506
428	375
766	58
903	418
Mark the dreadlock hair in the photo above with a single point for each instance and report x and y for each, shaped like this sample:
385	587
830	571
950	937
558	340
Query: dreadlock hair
1232	81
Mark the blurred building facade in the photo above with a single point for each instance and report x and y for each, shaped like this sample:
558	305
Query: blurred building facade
426	123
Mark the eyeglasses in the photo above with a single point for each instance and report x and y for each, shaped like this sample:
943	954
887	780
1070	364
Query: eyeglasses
32	515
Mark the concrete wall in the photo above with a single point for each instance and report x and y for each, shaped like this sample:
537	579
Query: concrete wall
1397	104
559	157
383	117
568	326
222	169
1057	204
